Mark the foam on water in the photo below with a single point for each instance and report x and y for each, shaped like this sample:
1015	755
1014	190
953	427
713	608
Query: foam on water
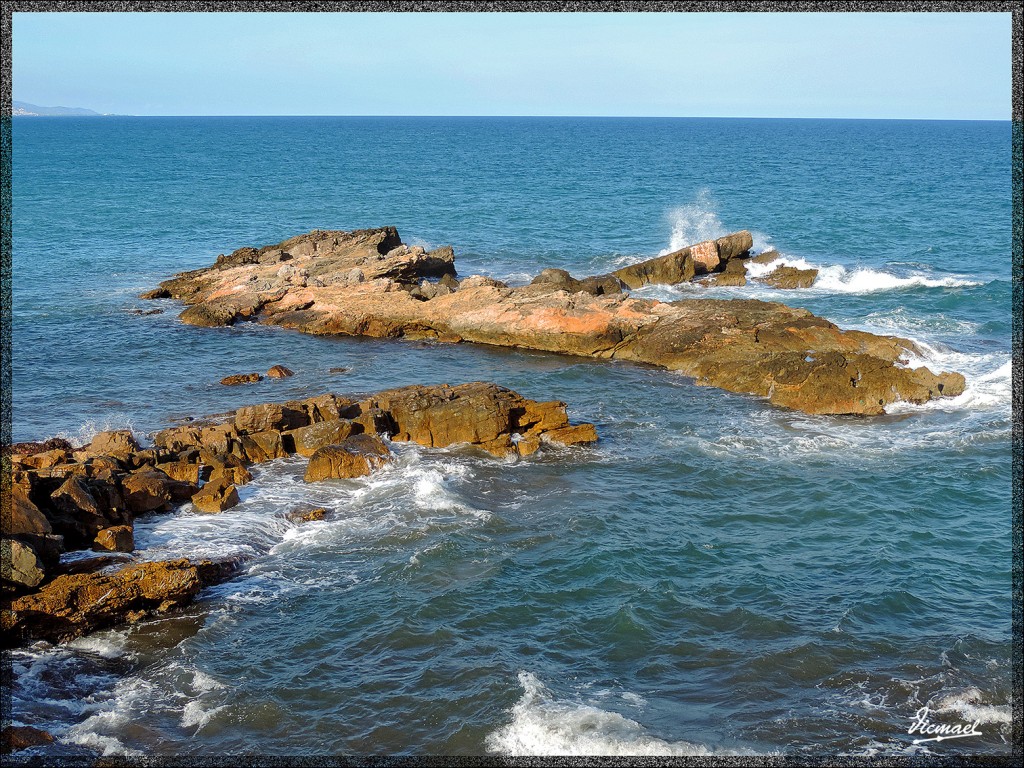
545	725
698	221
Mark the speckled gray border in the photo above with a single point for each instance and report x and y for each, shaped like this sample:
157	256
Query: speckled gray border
1017	9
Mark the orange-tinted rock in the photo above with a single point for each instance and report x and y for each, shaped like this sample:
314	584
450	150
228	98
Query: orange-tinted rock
270	416
734	274
71	605
280	372
118	538
359	455
118	443
262	446
182	471
15	738
231	475
705	257
580	434
25	516
150	489
307	440
216	496
740	347
238	378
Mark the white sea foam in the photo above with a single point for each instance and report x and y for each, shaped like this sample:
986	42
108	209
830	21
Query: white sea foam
988	376
969	704
131	697
698	221
544	725
836	278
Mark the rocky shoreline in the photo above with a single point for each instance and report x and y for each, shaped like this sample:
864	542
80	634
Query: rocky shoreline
368	283
63	499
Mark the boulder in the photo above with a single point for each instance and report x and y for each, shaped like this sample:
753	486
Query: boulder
765	257
156	293
182	471
149	490
22	568
734	275
240	378
15	738
25	518
45	459
212	316
270	416
306	441
29	449
557	280
230	476
215	496
734	246
601	285
675	267
117	443
262	446
789	277
357	456
705	257
117	538
71	605
279	372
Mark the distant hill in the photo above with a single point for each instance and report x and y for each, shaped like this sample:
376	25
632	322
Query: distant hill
24	109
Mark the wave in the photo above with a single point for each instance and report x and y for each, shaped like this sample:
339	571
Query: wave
698	221
836	278
544	725
989	380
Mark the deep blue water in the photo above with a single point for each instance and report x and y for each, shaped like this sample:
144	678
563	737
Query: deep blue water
717	574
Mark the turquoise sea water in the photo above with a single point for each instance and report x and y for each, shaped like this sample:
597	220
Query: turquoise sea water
716	575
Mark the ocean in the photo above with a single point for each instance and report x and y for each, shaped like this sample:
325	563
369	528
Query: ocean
716	576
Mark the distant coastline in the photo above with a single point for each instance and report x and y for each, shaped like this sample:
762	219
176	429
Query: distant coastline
24	109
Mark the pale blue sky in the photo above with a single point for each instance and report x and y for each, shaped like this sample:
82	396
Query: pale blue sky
914	65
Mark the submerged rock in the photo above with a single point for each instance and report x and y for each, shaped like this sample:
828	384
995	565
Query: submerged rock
240	378
789	277
787	355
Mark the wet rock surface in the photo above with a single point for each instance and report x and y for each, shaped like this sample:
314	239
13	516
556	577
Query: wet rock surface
366	283
68	500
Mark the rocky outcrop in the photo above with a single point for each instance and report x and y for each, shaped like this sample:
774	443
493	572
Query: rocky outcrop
236	378
15	738
279	372
786	277
72	605
365	283
63	499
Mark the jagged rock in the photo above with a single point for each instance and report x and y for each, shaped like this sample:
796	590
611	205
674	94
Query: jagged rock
182	471
262	446
26	518
71	605
216	496
230	476
21	567
118	443
238	378
118	538
92	564
357	456
270	416
45	459
18	737
767	257
789	277
742	346
307	440
601	285
156	293
29	449
280	372
149	490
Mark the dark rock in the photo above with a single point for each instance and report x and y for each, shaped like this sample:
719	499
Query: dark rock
22	567
18	737
156	293
789	277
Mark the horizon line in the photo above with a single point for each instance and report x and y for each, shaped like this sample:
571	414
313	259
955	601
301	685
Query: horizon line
571	117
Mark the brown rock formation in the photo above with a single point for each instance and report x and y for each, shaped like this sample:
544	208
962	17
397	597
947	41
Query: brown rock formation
117	538
235	378
362	284
71	605
279	372
789	277
357	456
216	496
15	738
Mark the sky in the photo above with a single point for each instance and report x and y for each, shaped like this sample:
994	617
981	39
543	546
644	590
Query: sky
852	65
